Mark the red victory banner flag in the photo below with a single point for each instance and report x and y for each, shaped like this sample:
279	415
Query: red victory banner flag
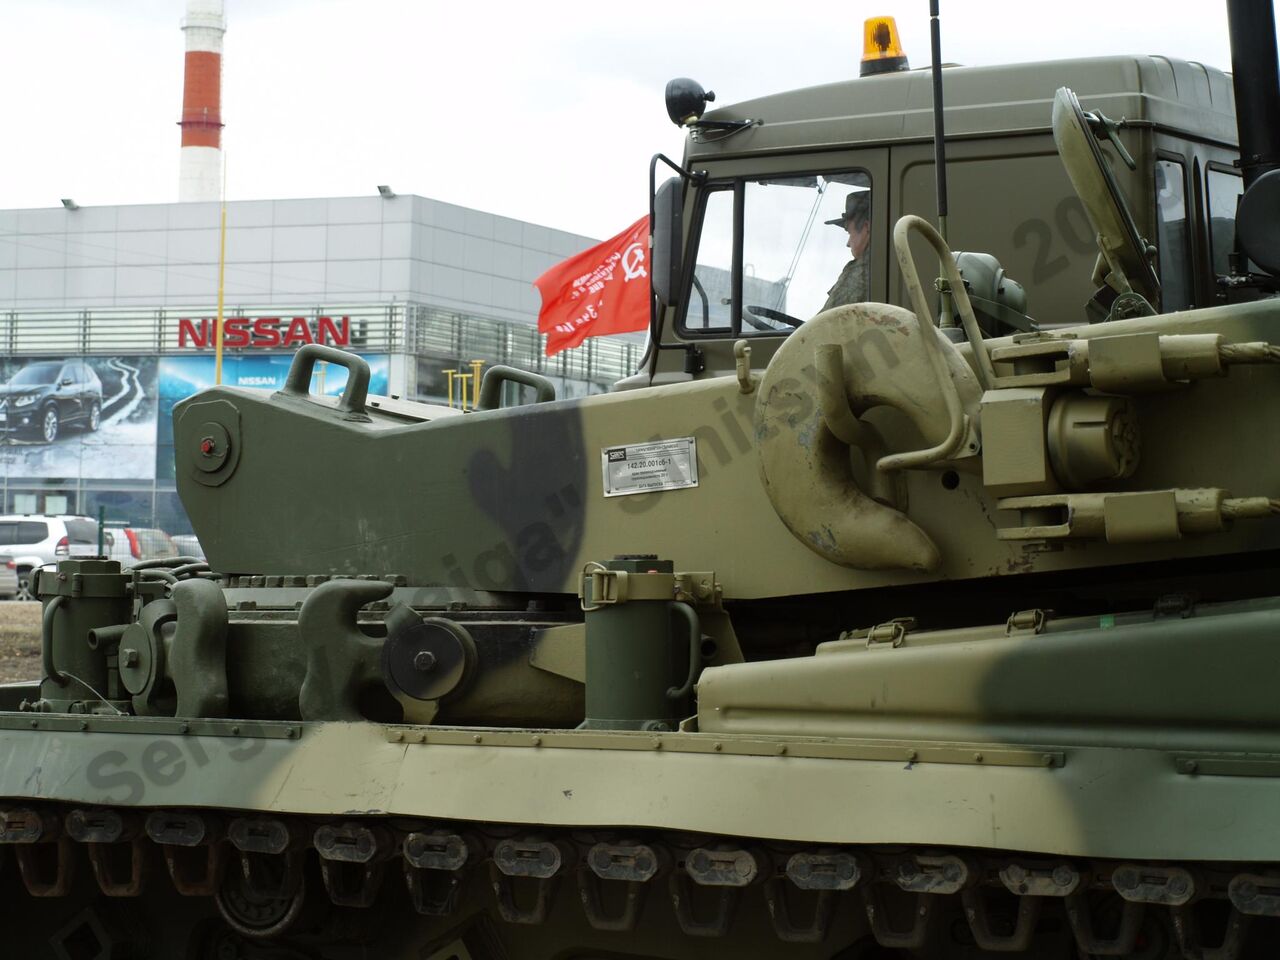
601	290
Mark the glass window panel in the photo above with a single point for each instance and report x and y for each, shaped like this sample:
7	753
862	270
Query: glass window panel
1224	190
799	254
24	503
126	507
711	297
42	501
82	531
22	532
1172	236
806	248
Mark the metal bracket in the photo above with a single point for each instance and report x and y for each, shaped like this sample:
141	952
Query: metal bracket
825	873
435	864
1181	605
784	924
605	587
725	869
979	917
1187	929
1080	916
1129	305
271	855
43	851
107	833
699	588
193	851
352	862
1255	894
1023	620
540	861
630	865
1228	765
717	925
1149	883
1041	880
913	937
940	874
892	633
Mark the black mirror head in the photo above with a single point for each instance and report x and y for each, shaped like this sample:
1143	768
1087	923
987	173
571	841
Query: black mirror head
1258	222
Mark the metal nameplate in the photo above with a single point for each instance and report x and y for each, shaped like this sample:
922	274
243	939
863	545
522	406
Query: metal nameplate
649	467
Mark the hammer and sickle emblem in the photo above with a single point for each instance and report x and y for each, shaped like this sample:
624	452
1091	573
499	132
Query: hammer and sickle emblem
633	263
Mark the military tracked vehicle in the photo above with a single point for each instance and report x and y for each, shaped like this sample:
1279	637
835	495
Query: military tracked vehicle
895	628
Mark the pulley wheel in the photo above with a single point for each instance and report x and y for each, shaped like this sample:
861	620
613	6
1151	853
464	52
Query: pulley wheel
431	659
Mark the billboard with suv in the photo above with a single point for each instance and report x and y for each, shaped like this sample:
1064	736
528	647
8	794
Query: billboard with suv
78	417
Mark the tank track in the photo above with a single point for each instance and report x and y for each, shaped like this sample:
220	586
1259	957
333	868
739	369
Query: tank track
252	871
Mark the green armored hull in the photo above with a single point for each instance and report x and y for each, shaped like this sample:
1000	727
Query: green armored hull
836	632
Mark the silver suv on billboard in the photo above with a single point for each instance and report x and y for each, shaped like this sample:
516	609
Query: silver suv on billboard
44	396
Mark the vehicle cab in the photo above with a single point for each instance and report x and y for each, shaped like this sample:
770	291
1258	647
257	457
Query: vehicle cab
749	239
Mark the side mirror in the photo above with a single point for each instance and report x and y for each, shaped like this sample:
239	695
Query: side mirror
1256	223
65	382
668	230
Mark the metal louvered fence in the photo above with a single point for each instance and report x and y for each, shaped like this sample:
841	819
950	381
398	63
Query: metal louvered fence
405	328
601	361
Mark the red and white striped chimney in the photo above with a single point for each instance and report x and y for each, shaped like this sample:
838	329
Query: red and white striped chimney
201	170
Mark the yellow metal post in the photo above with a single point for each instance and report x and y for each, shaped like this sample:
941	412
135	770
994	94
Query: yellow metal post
463	378
475	385
450	374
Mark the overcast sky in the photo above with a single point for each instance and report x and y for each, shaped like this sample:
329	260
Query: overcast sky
547	111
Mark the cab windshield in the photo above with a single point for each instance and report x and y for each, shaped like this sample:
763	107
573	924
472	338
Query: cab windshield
773	252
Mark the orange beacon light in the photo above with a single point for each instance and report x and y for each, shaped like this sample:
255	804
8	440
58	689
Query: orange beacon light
881	51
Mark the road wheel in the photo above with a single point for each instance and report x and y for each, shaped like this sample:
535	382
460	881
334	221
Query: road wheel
24	585
95	416
49	424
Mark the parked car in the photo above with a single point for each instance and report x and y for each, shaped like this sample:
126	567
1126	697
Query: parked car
188	545
132	545
32	540
43	397
8	578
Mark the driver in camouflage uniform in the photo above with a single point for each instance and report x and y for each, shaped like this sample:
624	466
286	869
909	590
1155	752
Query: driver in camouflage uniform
854	283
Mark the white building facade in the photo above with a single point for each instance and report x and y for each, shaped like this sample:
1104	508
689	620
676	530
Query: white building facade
126	296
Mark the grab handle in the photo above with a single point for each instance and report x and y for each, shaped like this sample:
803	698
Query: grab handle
298	382
695	650
497	375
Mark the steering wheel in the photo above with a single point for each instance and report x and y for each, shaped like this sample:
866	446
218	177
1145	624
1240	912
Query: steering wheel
770	314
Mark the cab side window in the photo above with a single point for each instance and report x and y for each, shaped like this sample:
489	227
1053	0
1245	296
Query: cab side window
1223	189
1172	240
709	306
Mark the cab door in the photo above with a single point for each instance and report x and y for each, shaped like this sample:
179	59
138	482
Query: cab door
761	256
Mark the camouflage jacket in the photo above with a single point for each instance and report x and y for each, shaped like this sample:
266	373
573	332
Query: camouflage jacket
853	285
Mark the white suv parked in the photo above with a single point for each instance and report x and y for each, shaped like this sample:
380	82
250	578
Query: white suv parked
132	545
34	540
